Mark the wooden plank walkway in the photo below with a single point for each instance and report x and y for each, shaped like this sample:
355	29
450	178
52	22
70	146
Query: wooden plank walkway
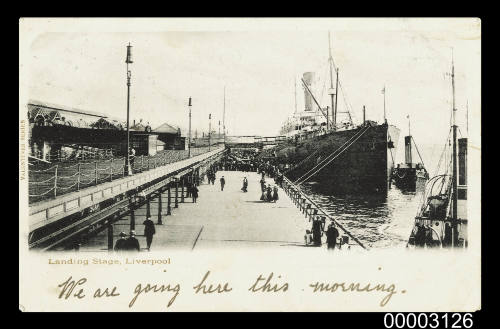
228	219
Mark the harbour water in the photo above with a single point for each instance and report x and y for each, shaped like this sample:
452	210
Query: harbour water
378	221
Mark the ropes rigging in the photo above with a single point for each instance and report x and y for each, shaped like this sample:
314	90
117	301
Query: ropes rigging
323	163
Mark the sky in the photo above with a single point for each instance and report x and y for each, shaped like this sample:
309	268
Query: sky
81	63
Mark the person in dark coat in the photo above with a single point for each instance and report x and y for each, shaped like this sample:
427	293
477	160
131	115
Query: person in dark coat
245	184
263	196
420	236
222	183
331	236
120	243
447	235
194	193
149	231
275	194
316	231
269	193
132	243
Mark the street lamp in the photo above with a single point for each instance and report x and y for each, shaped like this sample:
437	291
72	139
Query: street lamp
189	138
209	129
129	75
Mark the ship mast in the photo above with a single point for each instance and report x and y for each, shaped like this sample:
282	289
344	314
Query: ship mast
330	60
224	116
454	161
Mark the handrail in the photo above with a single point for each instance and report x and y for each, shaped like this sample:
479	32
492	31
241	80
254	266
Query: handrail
297	188
38	159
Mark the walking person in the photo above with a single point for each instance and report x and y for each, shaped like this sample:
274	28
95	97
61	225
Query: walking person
120	243
317	232
132	243
149	231
269	193
222	183
245	184
131	160
308	237
275	194
331	236
263	196
194	193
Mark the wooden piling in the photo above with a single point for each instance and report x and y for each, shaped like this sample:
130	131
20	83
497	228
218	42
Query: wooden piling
169	208
110	237
159	208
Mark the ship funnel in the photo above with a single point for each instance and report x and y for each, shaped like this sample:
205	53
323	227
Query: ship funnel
308	78
408	149
462	161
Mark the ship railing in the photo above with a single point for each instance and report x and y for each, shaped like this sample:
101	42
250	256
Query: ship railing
335	154
310	208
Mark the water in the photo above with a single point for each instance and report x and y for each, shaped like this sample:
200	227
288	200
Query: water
378	222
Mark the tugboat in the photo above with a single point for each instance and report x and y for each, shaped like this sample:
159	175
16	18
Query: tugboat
442	218
407	176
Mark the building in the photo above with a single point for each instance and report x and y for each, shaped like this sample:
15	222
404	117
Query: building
56	129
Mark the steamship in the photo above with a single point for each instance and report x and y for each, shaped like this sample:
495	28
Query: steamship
409	176
338	155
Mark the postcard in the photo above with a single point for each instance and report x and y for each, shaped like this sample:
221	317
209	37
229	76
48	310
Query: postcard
250	164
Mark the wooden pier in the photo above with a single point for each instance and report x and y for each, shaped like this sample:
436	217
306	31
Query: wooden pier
224	219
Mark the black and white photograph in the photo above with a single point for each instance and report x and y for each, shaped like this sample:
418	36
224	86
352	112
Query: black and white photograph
317	159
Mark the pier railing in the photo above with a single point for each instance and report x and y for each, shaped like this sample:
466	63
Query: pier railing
49	180
310	208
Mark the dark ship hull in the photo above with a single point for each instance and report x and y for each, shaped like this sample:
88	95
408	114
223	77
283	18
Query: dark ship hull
409	179
364	167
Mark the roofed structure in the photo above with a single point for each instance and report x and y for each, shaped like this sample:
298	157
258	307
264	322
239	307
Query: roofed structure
167	129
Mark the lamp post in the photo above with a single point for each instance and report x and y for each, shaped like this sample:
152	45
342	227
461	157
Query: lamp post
209	128
129	75
189	134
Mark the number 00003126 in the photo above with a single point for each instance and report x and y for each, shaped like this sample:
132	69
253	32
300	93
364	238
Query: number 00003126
432	320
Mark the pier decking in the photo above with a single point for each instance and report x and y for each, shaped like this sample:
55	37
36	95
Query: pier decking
229	219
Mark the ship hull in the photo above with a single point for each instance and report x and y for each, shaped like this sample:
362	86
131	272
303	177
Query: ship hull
409	179
364	167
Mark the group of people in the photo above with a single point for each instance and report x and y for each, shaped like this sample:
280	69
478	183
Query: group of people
211	176
192	191
313	236
423	236
269	194
239	161
131	243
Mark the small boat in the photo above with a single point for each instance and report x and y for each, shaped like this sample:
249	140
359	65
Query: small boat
407	176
